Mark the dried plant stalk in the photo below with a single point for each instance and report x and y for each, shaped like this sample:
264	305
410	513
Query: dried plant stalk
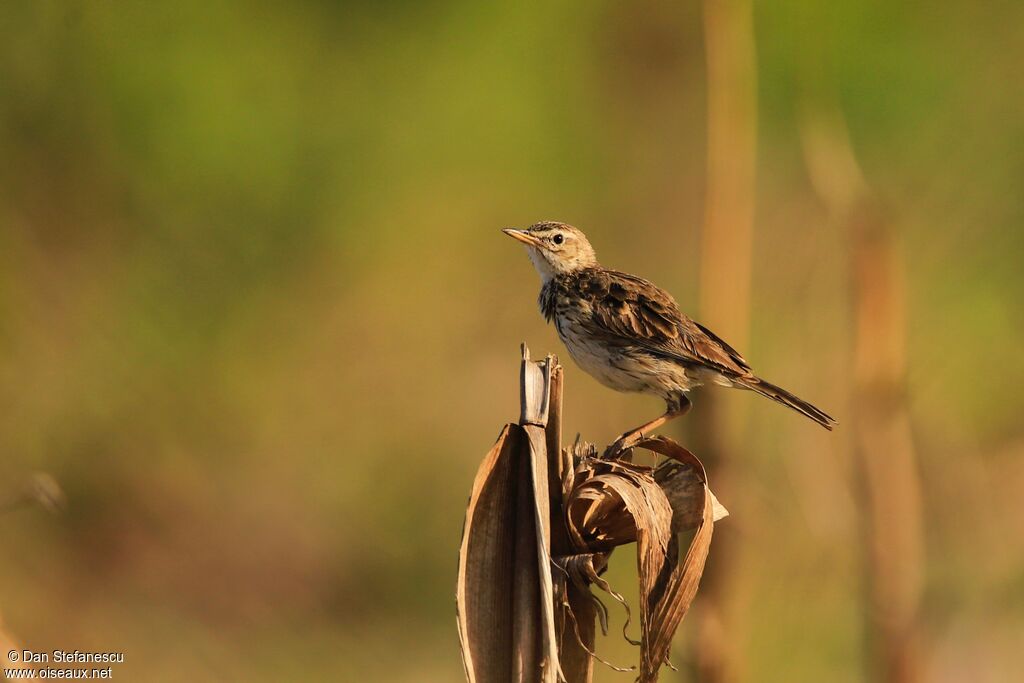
536	394
541	524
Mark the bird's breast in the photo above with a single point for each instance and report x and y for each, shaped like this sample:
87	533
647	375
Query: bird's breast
618	365
615	366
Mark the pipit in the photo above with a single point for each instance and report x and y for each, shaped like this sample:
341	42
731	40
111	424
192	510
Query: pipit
630	335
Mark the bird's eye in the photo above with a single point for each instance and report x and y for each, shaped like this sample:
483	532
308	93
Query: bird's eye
557	239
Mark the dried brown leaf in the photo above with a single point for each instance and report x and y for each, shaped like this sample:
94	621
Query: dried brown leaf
505	602
487	563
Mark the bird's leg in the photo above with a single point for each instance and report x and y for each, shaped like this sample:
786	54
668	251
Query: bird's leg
676	408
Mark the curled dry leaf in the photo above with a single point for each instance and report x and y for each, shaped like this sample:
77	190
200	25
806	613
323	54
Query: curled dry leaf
669	601
685	489
616	502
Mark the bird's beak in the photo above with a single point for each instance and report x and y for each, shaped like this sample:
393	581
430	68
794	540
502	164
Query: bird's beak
523	236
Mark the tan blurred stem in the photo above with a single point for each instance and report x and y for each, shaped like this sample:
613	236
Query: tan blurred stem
882	430
39	488
725	275
9	644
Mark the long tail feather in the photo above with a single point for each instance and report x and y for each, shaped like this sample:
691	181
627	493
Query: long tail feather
787	399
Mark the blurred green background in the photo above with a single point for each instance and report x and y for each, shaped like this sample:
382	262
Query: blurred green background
257	319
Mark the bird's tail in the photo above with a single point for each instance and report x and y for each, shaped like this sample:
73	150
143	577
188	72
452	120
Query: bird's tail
787	399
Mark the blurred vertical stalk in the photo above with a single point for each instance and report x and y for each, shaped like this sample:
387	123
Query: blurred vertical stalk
725	273
732	159
9	644
884	446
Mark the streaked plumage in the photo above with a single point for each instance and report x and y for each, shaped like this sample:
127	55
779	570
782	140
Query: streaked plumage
629	334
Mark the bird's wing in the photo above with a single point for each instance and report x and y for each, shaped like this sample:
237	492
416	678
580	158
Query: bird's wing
635	311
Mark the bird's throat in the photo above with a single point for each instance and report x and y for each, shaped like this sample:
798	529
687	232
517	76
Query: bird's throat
544	267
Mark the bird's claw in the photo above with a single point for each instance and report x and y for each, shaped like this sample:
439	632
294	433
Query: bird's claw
622	444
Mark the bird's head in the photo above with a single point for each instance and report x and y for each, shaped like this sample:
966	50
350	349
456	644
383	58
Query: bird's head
555	248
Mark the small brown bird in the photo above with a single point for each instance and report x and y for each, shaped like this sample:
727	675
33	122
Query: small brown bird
629	334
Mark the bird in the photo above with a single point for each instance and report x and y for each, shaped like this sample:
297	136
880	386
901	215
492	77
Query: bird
630	335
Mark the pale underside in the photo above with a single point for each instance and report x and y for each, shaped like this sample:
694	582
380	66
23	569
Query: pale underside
628	367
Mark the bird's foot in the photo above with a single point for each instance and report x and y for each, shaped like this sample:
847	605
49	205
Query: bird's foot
623	444
634	436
